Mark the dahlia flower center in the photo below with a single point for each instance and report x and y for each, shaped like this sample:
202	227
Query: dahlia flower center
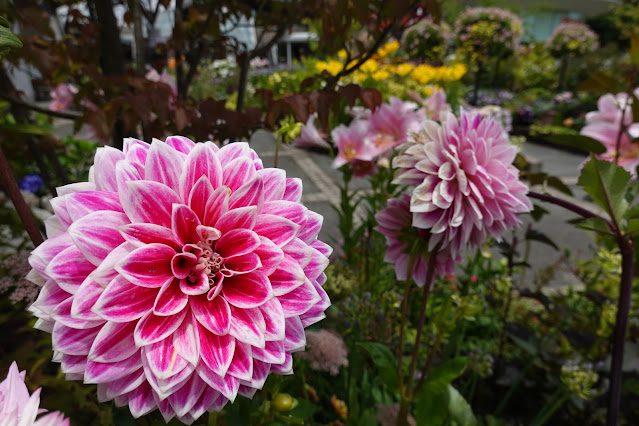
199	267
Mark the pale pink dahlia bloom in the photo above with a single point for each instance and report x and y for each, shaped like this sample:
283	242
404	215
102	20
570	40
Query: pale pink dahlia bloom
179	276
466	187
18	408
395	223
604	125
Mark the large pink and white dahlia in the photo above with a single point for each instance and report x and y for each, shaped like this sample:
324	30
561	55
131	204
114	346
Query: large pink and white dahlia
18	408
466	187
179	276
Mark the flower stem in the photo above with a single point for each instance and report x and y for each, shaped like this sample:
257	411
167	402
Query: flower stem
18	201
277	150
619	336
569	205
400	349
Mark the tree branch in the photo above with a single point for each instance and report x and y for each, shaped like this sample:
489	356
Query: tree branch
36	108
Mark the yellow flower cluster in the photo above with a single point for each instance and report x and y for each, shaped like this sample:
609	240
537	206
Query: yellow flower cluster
426	73
332	66
388	49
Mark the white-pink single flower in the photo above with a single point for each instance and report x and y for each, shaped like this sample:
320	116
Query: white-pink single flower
354	142
18	408
179	276
395	223
62	97
390	123
466	187
164	77
310	137
436	105
604	125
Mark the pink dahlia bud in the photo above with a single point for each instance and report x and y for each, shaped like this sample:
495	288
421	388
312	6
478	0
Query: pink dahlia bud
18	408
466	187
395	223
180	275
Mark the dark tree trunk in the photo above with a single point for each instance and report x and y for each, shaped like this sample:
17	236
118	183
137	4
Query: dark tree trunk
241	90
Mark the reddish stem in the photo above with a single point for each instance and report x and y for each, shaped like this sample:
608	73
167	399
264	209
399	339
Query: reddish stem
16	197
619	336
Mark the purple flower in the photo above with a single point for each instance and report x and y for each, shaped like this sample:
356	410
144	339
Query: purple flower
466	187
31	183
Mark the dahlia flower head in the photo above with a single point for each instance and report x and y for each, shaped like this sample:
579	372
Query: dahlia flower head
604	124
465	186
395	223
179	276
18	408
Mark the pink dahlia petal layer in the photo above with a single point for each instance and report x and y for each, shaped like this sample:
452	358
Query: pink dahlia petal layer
201	161
163	164
96	234
153	328
148	266
122	301
113	343
149	202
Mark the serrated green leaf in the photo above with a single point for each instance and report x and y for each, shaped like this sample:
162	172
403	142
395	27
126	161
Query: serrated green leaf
594	224
607	184
441	376
581	142
8	39
540	237
459	409
385	362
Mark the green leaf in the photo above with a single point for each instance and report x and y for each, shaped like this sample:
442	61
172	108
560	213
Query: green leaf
4	22
594	224
29	129
581	142
538	212
607	184
8	39
555	182
534	235
305	409
432	410
525	345
459	409
440	377
633	226
385	362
